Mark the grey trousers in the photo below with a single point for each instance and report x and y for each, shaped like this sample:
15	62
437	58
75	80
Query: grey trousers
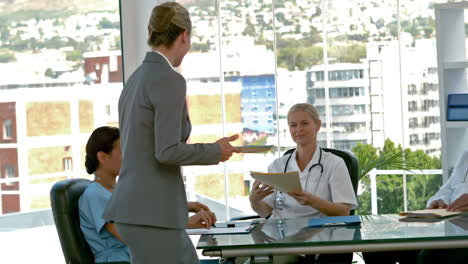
151	245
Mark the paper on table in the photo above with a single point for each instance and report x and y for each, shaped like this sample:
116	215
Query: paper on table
283	182
429	213
219	230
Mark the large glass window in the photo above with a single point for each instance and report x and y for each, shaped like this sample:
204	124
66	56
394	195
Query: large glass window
343	58
7	129
9	174
61	67
370	77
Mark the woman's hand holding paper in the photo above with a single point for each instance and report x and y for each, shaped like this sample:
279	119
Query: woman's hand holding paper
302	197
259	191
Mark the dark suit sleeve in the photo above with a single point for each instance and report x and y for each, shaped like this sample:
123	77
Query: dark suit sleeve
169	109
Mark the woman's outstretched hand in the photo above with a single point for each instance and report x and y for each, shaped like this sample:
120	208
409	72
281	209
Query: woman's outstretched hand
226	148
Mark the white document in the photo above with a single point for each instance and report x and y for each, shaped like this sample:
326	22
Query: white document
219	230
283	182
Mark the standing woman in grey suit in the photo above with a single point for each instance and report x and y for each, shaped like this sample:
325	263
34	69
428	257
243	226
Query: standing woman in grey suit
149	203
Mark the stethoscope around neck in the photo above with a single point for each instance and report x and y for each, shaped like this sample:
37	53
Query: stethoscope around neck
318	164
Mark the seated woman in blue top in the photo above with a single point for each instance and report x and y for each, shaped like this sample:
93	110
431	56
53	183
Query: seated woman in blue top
103	159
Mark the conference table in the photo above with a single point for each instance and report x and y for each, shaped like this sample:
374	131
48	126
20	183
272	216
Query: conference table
273	237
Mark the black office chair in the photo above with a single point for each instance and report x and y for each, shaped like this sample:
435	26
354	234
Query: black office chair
64	197
351	163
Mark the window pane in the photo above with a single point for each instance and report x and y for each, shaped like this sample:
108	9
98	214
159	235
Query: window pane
59	69
244	39
247	37
419	59
298	48
7	129
201	68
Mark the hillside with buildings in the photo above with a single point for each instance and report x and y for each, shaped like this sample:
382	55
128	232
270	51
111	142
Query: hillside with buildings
10	6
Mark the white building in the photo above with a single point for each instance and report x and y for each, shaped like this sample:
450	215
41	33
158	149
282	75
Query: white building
410	113
346	122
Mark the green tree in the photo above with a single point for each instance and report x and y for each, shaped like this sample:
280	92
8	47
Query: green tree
74	55
392	28
294	58
351	53
118	42
201	47
107	24
49	73
249	29
6	56
390	187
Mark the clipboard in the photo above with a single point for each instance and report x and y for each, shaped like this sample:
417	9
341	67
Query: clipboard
349	220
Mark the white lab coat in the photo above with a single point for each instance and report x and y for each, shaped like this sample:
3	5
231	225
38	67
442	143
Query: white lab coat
457	185
333	185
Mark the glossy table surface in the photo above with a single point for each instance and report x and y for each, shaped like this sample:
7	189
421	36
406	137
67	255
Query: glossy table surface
376	233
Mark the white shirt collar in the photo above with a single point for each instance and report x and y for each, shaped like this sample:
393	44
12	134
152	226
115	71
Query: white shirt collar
168	62
313	161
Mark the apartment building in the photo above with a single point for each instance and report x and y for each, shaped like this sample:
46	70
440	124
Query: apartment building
345	92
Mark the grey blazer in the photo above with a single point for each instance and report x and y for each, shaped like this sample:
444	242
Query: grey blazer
154	127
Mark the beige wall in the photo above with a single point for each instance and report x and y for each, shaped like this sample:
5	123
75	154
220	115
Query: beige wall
48	118
86	110
47	160
206	109
212	185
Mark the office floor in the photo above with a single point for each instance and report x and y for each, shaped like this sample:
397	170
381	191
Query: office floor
31	245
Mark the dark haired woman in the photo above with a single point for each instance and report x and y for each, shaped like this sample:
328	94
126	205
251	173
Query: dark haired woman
103	159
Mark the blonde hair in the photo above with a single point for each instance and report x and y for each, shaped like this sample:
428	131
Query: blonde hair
168	20
304	107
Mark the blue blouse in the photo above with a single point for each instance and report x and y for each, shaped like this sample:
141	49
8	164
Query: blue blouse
105	247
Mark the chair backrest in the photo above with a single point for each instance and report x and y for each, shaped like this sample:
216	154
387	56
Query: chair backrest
351	163
64	197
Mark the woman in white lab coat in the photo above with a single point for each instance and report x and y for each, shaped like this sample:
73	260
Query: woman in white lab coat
327	187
